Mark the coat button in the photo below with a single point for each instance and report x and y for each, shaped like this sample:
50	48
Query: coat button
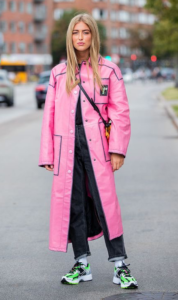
72	111
75	92
86	120
70	151
94	159
69	171
83	100
89	139
83	81
71	131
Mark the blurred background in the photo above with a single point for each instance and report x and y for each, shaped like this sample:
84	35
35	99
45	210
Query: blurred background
141	37
138	35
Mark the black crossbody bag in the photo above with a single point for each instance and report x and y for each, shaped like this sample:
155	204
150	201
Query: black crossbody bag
106	124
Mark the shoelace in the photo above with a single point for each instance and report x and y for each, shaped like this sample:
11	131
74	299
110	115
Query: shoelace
124	270
74	268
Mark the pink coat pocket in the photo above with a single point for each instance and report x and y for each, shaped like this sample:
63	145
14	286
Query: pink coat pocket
57	153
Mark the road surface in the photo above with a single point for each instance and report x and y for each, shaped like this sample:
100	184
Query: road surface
147	187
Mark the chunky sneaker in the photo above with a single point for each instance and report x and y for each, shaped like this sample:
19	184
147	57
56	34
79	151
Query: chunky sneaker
78	273
122	276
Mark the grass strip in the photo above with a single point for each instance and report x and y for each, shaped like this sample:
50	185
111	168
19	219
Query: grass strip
170	93
175	108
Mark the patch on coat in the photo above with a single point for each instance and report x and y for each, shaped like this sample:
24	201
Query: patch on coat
104	90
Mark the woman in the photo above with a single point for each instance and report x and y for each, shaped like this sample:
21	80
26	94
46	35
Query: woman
84	203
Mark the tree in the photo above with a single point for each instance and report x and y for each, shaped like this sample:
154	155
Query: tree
165	29
142	39
58	39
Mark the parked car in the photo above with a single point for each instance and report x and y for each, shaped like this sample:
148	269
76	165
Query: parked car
168	73
6	89
41	88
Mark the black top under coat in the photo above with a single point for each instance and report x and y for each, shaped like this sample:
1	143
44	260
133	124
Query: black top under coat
78	119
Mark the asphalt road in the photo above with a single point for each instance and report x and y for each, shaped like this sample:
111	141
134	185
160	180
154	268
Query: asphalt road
24	103
147	187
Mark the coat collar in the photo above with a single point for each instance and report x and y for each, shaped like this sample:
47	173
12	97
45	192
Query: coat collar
89	60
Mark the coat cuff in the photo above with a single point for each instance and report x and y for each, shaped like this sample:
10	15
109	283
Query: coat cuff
45	163
118	152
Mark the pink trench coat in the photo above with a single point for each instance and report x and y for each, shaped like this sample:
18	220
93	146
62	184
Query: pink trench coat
58	144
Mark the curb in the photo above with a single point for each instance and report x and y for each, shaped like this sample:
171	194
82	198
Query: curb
169	110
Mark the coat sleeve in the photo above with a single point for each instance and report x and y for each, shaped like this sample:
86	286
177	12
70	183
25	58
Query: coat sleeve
118	113
46	146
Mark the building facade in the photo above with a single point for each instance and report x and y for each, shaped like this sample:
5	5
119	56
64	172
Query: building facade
26	29
26	26
118	17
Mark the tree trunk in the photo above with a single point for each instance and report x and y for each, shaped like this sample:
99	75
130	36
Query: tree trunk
176	71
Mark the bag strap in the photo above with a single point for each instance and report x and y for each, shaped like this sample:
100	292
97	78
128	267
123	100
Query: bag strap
93	104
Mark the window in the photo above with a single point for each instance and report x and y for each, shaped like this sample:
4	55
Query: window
132	2
30	48
123	33
21	26
151	19
3	26
99	0
99	14
133	17
124	50
2	5
125	2
115	49
5	48
58	13
40	12
29	8
41	30
113	15
142	18
12	6
141	3
12	26
44	29
124	16
13	47
21	6
64	0
30	28
22	47
114	33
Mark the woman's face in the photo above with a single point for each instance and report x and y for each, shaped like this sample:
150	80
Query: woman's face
81	36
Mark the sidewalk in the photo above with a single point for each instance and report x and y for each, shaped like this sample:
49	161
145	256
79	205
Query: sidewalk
168	106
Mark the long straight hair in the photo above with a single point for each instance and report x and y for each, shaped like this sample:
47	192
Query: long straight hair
72	62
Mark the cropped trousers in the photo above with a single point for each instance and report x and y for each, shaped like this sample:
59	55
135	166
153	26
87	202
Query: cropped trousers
78	223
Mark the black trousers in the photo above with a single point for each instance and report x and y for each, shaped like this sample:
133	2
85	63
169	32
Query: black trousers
78	224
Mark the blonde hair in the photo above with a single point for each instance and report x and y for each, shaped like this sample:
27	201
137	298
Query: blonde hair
72	62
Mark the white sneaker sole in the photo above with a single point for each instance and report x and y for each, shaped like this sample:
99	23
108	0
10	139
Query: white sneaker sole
132	284
116	280
82	278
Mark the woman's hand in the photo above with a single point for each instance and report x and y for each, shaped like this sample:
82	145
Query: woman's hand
117	160
49	167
